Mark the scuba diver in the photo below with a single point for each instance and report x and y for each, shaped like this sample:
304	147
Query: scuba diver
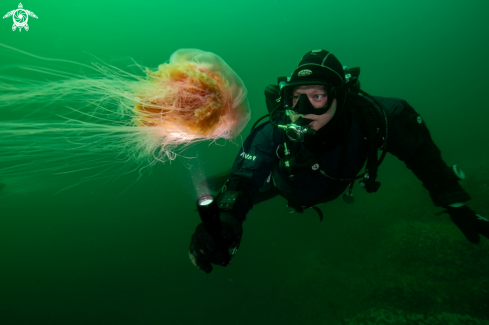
322	130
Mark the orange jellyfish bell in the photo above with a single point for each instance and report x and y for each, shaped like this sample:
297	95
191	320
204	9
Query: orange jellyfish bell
194	96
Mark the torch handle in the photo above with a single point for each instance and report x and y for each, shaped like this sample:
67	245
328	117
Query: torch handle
210	216
212	223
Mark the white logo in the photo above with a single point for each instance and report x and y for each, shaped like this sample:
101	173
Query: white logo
315	167
247	156
303	73
20	16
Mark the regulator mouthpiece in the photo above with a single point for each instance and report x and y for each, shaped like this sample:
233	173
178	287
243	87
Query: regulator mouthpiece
297	133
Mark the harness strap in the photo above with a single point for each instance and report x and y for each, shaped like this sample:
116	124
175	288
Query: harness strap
373	136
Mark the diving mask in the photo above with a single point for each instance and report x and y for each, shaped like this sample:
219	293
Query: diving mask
304	107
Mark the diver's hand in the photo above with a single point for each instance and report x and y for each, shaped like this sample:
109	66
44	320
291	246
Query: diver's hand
470	223
204	249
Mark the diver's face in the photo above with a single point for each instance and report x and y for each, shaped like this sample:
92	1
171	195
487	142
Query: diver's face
318	98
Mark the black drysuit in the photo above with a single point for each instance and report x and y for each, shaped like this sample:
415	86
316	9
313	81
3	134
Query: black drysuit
256	166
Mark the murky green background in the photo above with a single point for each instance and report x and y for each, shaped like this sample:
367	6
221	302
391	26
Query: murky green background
116	252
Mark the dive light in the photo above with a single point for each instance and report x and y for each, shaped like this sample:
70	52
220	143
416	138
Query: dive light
210	216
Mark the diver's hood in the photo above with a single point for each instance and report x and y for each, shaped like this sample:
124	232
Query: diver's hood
317	67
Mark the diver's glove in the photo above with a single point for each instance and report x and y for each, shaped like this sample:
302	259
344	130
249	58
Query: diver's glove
204	249
470	223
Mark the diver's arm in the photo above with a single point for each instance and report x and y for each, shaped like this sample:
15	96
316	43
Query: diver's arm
440	180
250	169
252	166
412	143
246	194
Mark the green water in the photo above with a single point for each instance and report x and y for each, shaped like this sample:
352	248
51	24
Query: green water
117	252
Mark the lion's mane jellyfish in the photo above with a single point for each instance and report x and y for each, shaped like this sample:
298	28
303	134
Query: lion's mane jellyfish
98	117
194	96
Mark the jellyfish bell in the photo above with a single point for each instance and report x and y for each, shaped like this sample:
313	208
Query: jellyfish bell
110	121
195	95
